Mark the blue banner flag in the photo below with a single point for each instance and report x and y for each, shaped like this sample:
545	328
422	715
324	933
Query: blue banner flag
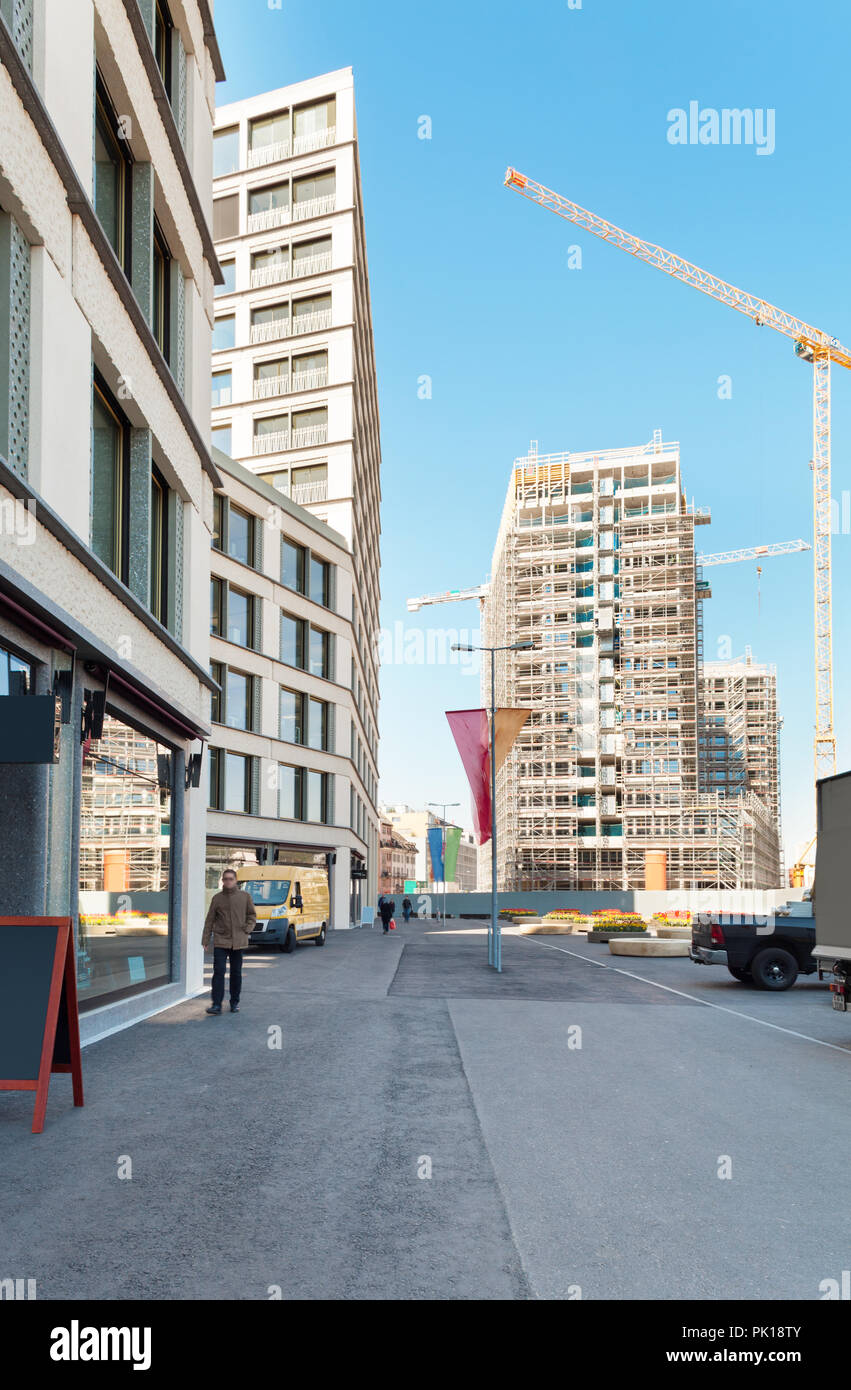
435	848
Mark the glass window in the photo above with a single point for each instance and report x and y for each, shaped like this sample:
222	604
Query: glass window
217	607
290	719
240	535
237	787
275	313
221	438
289	792
111	193
306	367
162	292
292	640
240	617
320	652
315	796
276	255
238	700
321	115
274	195
109	448
224	332
305	251
162	43
217	671
215	776
159	547
314	186
125	866
226	217
15	674
229	273
225	151
271	424
317	723
317	304
292	566
269	130
222	388
320	575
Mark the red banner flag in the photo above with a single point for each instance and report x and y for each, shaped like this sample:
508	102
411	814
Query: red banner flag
472	739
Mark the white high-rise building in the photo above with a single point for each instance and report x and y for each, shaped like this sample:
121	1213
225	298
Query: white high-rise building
294	387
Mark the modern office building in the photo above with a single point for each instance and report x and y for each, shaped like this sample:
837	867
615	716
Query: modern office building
595	565
294	387
107	271
291	779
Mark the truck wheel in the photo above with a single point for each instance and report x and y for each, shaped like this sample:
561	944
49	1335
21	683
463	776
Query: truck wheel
289	941
320	939
774	969
739	974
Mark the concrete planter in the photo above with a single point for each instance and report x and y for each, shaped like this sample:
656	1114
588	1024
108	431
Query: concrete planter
674	933
604	936
647	946
541	928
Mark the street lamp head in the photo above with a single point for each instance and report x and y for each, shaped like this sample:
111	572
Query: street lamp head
462	647
521	646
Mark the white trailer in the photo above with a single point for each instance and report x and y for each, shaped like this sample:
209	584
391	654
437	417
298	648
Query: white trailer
832	886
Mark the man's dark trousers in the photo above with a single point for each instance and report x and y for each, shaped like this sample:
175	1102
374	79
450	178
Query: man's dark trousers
221	956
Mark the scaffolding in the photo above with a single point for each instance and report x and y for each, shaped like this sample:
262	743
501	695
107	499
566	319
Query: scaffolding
595	564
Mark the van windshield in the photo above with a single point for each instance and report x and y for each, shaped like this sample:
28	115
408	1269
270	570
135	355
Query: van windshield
267	892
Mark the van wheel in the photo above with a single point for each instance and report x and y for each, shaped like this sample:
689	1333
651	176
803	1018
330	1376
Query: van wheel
320	939
774	969
290	941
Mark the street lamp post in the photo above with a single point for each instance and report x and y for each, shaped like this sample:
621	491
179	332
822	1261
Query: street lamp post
494	933
445	805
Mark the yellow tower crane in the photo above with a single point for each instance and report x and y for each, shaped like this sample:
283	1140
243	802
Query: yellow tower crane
813	346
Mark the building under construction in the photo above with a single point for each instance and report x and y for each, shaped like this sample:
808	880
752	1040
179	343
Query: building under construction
605	787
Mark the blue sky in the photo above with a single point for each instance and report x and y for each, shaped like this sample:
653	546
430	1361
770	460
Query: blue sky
471	286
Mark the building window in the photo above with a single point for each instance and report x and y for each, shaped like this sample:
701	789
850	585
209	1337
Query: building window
224	332
159	552
240	539
112	177
292	566
226	217
269	138
316	797
314	194
217	603
162	43
309	121
320	653
290	800
240	624
320	581
217	671
109	493
317	723
268	199
238	700
225	151
237	783
291	716
229	282
162	292
292	640
126	854
221	438
222	388
15	675
313	314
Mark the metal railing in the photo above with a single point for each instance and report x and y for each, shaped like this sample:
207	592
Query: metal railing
304	493
273	274
269	154
315	140
314	207
272	443
309	381
268	331
312	323
312	265
267	386
309	435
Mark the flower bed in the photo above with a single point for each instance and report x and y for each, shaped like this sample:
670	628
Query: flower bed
671	919
517	912
565	914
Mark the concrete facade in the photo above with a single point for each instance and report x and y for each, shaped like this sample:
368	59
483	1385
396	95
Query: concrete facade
106	482
294	387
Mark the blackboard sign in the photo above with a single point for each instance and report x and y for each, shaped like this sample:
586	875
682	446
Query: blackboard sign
39	1024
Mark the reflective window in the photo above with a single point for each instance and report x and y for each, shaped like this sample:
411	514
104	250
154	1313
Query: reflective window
225	152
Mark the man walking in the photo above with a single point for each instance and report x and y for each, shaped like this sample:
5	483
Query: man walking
386	909
406	909
229	924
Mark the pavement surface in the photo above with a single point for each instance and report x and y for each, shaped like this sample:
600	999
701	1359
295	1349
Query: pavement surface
581	1126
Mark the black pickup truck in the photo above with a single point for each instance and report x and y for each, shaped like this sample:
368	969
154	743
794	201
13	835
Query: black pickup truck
767	953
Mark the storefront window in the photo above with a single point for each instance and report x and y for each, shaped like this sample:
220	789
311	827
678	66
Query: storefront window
125	866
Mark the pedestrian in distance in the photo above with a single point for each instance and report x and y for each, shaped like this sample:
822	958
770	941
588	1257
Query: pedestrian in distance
407	909
386	908
228	926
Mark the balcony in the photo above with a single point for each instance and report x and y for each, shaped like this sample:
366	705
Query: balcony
269	386
270	217
311	207
309	381
268	332
315	140
272	443
312	265
305	493
312	323
264	275
309	436
269	154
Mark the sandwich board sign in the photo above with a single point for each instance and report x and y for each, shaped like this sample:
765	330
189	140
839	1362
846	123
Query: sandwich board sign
39	1024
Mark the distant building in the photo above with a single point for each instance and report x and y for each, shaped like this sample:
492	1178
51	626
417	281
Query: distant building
398	860
414	825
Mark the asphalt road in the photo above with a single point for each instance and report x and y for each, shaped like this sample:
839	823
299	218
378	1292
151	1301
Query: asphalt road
428	1129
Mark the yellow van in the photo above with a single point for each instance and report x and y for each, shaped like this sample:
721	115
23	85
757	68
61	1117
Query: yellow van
291	902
